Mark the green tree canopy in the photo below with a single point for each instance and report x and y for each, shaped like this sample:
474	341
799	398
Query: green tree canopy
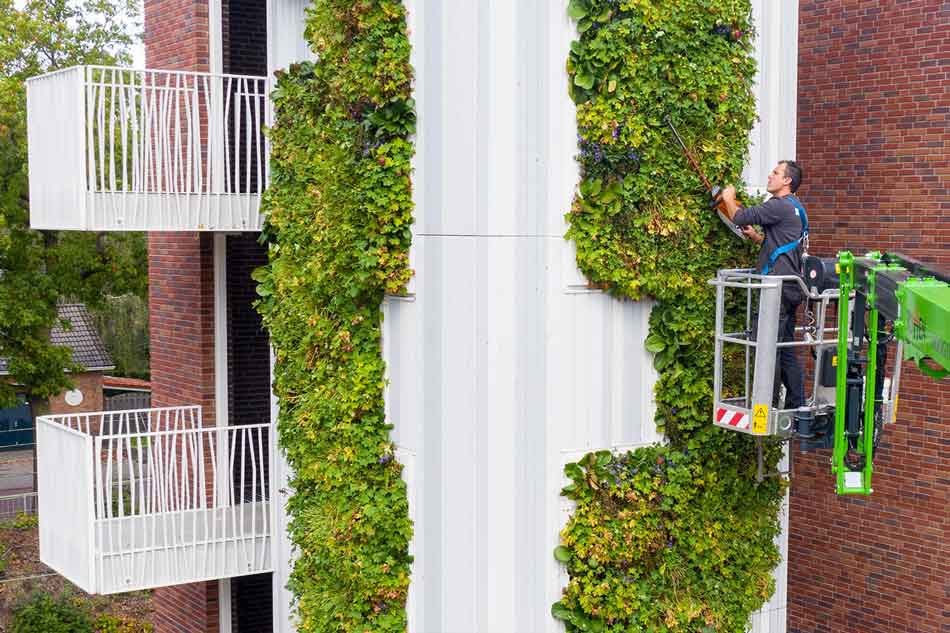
38	268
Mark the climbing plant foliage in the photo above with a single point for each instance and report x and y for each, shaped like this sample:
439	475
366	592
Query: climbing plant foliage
339	210
677	537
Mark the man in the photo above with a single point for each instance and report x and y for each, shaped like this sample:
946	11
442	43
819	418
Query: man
785	223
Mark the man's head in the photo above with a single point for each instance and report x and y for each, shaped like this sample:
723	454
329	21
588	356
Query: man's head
785	178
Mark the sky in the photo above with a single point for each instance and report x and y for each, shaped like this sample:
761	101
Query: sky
138	52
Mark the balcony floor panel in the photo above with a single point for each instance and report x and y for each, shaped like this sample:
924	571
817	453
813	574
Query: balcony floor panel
136	211
173	548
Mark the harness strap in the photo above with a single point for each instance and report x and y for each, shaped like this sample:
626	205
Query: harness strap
785	248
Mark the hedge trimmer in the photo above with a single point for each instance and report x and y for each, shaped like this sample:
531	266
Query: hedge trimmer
713	190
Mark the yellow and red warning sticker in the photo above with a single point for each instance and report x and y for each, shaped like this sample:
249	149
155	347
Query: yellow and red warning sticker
760	419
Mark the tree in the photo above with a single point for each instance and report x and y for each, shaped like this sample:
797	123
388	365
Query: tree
39	268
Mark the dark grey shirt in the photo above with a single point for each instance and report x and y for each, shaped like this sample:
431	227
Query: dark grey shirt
780	220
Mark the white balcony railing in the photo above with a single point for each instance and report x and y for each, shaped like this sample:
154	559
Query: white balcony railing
119	149
140	499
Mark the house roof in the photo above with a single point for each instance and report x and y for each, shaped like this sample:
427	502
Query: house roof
82	338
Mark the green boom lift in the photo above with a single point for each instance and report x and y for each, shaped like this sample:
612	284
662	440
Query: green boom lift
883	301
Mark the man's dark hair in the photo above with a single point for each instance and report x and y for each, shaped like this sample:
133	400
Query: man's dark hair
794	171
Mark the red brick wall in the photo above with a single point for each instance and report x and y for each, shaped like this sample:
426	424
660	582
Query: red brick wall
181	311
181	299
90	384
181	324
187	608
874	141
181	327
182	284
176	34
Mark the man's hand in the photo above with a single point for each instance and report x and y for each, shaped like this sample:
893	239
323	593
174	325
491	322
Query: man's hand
728	195
727	198
752	234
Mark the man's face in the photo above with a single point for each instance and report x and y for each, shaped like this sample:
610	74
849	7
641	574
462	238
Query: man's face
777	179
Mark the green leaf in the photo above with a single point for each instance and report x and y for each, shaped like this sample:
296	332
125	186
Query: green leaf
577	9
562	554
662	360
560	612
574	472
611	193
261	274
264	290
590	188
655	344
584	80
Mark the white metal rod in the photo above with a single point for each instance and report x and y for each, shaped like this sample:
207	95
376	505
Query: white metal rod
101	123
111	140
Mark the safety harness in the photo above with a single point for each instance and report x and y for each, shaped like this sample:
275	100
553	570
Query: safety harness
784	248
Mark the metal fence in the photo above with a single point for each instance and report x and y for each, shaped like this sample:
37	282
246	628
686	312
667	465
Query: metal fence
11	506
120	149
17	483
16	428
129	400
18	467
153	498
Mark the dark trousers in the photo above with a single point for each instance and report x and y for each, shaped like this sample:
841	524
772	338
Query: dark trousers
788	368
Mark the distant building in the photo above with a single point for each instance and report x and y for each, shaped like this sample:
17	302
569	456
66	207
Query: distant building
16	423
120	393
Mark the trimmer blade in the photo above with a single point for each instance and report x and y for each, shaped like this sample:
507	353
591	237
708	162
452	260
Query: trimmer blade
732	226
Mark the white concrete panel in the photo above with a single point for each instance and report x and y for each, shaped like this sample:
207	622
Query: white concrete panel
491	93
283	552
70	552
490	367
407	458
285	26
503	364
776	88
55	115
771	618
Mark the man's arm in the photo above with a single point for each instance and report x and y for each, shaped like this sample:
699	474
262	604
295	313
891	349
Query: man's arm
728	197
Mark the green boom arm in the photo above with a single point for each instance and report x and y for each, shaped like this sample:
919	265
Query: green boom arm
916	300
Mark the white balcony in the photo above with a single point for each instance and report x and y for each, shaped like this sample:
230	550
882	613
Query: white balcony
113	149
141	499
